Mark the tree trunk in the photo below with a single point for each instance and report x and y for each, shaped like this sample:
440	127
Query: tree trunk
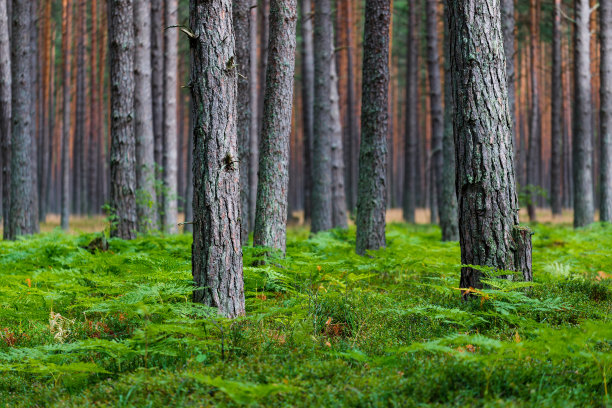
412	125
254	138
241	15
307	103
507	12
371	197
556	117
533	153
5	115
34	88
605	203
583	130
157	89
189	193
20	213
339	216
321	155
448	215
143	128
123	144
170	211
45	112
217	254
271	214
66	85
79	134
488	205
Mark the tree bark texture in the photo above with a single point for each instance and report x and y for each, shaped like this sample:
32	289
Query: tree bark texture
217	253
272	189
372	187
339	216
5	115
146	199
170	211
556	117
254	138
605	165
507	10
241	14
533	153
488	205
66	118
157	89
582	122
321	155
412	123
307	102
34	88
78	145
123	146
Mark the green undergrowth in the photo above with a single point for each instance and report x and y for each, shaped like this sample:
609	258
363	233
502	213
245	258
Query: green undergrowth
324	327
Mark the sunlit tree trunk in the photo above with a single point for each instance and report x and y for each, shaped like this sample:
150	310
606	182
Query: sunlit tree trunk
339	216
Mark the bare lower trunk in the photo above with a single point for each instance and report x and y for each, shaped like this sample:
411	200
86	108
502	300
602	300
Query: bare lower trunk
533	154
254	138
66	86
411	138
339	217
217	254
371	197
507	12
307	102
157	89
556	117
272	189
5	115
605	203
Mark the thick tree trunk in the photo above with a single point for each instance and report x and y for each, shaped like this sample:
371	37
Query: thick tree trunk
66	92
488	205
371	197
321	155
170	203
507	13
254	138
412	125
123	144
217	254
5	115
143	110
533	153
339	216
605	202
241	14
271	214
556	117
448	215
307	102
157	89
583	127
20	212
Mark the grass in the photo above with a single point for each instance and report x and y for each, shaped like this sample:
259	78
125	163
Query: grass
324	327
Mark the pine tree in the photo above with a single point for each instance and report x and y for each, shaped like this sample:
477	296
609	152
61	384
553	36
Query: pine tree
605	164
5	115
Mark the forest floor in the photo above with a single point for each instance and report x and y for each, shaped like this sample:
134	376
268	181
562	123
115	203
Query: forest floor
324	327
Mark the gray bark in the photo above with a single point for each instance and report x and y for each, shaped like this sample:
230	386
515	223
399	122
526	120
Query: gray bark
321	154
507	12
556	117
157	89
488	205
272	189
371	197
20	212
5	115
79	129
34	88
307	102
254	138
533	152
339	216
189	188
605	202
170	155
217	254
241	14
146	199
412	126
583	128
66	112
123	144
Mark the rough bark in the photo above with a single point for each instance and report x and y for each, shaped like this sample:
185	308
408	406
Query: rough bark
157	89
448	215
412	126
321	154
488	205
78	151
533	152
307	102
66	111
339	216
217	254
371	197
34	92
583	128
123	144
20	212
5	115
170	203
45	112
189	188
556	117
507	12
146	199
254	138
351	148
271	214
605	201
241	14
